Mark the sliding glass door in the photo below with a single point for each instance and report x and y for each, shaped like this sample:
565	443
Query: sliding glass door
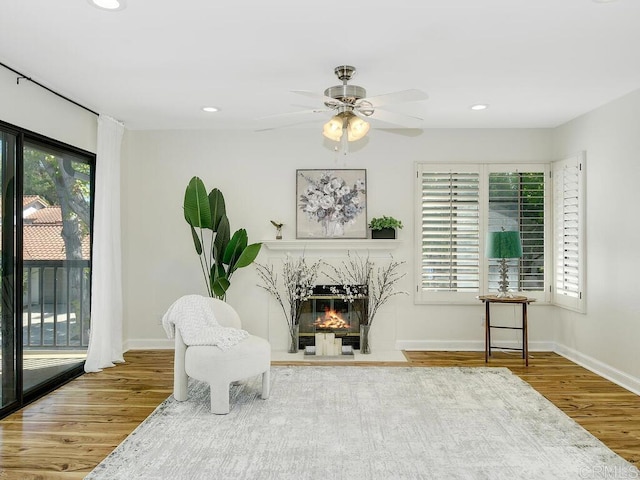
46	264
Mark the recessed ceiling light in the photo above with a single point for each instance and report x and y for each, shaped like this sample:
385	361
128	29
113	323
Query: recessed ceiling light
210	109
111	5
479	106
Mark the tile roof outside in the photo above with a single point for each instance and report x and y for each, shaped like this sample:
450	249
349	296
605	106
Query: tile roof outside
49	215
28	199
42	232
44	242
31	201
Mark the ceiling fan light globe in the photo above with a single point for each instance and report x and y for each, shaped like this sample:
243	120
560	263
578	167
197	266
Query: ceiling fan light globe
365	108
333	128
357	128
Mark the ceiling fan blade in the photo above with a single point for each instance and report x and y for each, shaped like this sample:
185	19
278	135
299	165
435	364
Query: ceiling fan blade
318	96
406	121
294	114
291	123
289	119
402	96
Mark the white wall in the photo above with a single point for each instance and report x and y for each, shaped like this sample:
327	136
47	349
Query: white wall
256	173
607	337
31	107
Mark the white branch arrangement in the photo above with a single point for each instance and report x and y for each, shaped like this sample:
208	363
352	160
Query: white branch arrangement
298	279
380	281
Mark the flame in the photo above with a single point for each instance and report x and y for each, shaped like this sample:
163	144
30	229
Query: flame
331	319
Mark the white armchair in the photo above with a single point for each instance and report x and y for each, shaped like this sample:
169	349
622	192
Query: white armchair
219	368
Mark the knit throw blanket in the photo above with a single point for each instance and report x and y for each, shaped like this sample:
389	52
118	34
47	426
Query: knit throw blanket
194	317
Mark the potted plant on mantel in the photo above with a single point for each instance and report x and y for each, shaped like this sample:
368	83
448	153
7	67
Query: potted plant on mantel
384	227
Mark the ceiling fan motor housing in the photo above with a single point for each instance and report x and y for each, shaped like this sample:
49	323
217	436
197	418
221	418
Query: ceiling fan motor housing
345	93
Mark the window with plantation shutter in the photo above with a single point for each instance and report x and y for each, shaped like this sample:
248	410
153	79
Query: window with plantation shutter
458	205
517	203
450	226
568	241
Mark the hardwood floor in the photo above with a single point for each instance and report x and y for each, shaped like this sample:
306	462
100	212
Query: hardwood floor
606	410
67	433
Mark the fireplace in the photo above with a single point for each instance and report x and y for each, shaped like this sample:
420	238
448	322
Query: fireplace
337	309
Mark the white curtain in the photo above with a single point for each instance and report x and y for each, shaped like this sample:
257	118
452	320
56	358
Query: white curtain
105	340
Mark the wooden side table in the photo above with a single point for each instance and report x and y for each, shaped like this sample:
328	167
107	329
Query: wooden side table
524	301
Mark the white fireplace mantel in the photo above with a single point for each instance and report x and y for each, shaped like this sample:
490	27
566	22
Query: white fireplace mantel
342	244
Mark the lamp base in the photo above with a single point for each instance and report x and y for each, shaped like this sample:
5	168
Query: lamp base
506	294
503	289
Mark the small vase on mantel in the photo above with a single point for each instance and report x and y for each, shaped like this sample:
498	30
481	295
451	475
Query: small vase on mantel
365	346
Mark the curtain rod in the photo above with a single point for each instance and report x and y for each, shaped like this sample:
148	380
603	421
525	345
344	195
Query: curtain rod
22	76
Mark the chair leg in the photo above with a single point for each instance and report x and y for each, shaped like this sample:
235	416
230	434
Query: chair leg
180	382
266	384
180	378
219	397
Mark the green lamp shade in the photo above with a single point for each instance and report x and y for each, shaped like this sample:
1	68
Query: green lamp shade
503	245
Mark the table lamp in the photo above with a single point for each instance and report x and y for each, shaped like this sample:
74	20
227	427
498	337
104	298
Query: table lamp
503	245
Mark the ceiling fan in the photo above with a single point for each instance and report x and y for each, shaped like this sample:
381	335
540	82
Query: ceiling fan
351	107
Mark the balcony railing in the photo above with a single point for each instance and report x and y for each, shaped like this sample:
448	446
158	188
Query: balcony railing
56	304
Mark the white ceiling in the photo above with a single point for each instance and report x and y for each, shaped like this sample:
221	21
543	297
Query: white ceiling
153	65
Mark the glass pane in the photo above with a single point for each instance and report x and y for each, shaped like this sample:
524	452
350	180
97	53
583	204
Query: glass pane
8	358
516	203
56	256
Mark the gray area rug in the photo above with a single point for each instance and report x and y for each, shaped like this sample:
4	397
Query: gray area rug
325	423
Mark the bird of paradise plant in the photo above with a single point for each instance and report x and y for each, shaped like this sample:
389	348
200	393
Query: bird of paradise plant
220	253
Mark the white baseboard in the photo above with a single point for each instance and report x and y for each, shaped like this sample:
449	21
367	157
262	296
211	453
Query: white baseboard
596	366
149	344
466	346
440	345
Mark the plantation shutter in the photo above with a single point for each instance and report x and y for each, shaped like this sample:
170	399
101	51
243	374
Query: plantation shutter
450	222
568	241
516	203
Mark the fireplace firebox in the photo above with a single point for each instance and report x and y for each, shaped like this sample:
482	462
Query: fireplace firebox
337	309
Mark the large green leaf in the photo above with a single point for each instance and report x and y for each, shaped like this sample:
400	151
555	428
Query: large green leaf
196	240
248	255
222	239
217	207
197	211
220	287
235	247
216	272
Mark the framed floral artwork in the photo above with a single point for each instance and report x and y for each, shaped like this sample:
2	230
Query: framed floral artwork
331	203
